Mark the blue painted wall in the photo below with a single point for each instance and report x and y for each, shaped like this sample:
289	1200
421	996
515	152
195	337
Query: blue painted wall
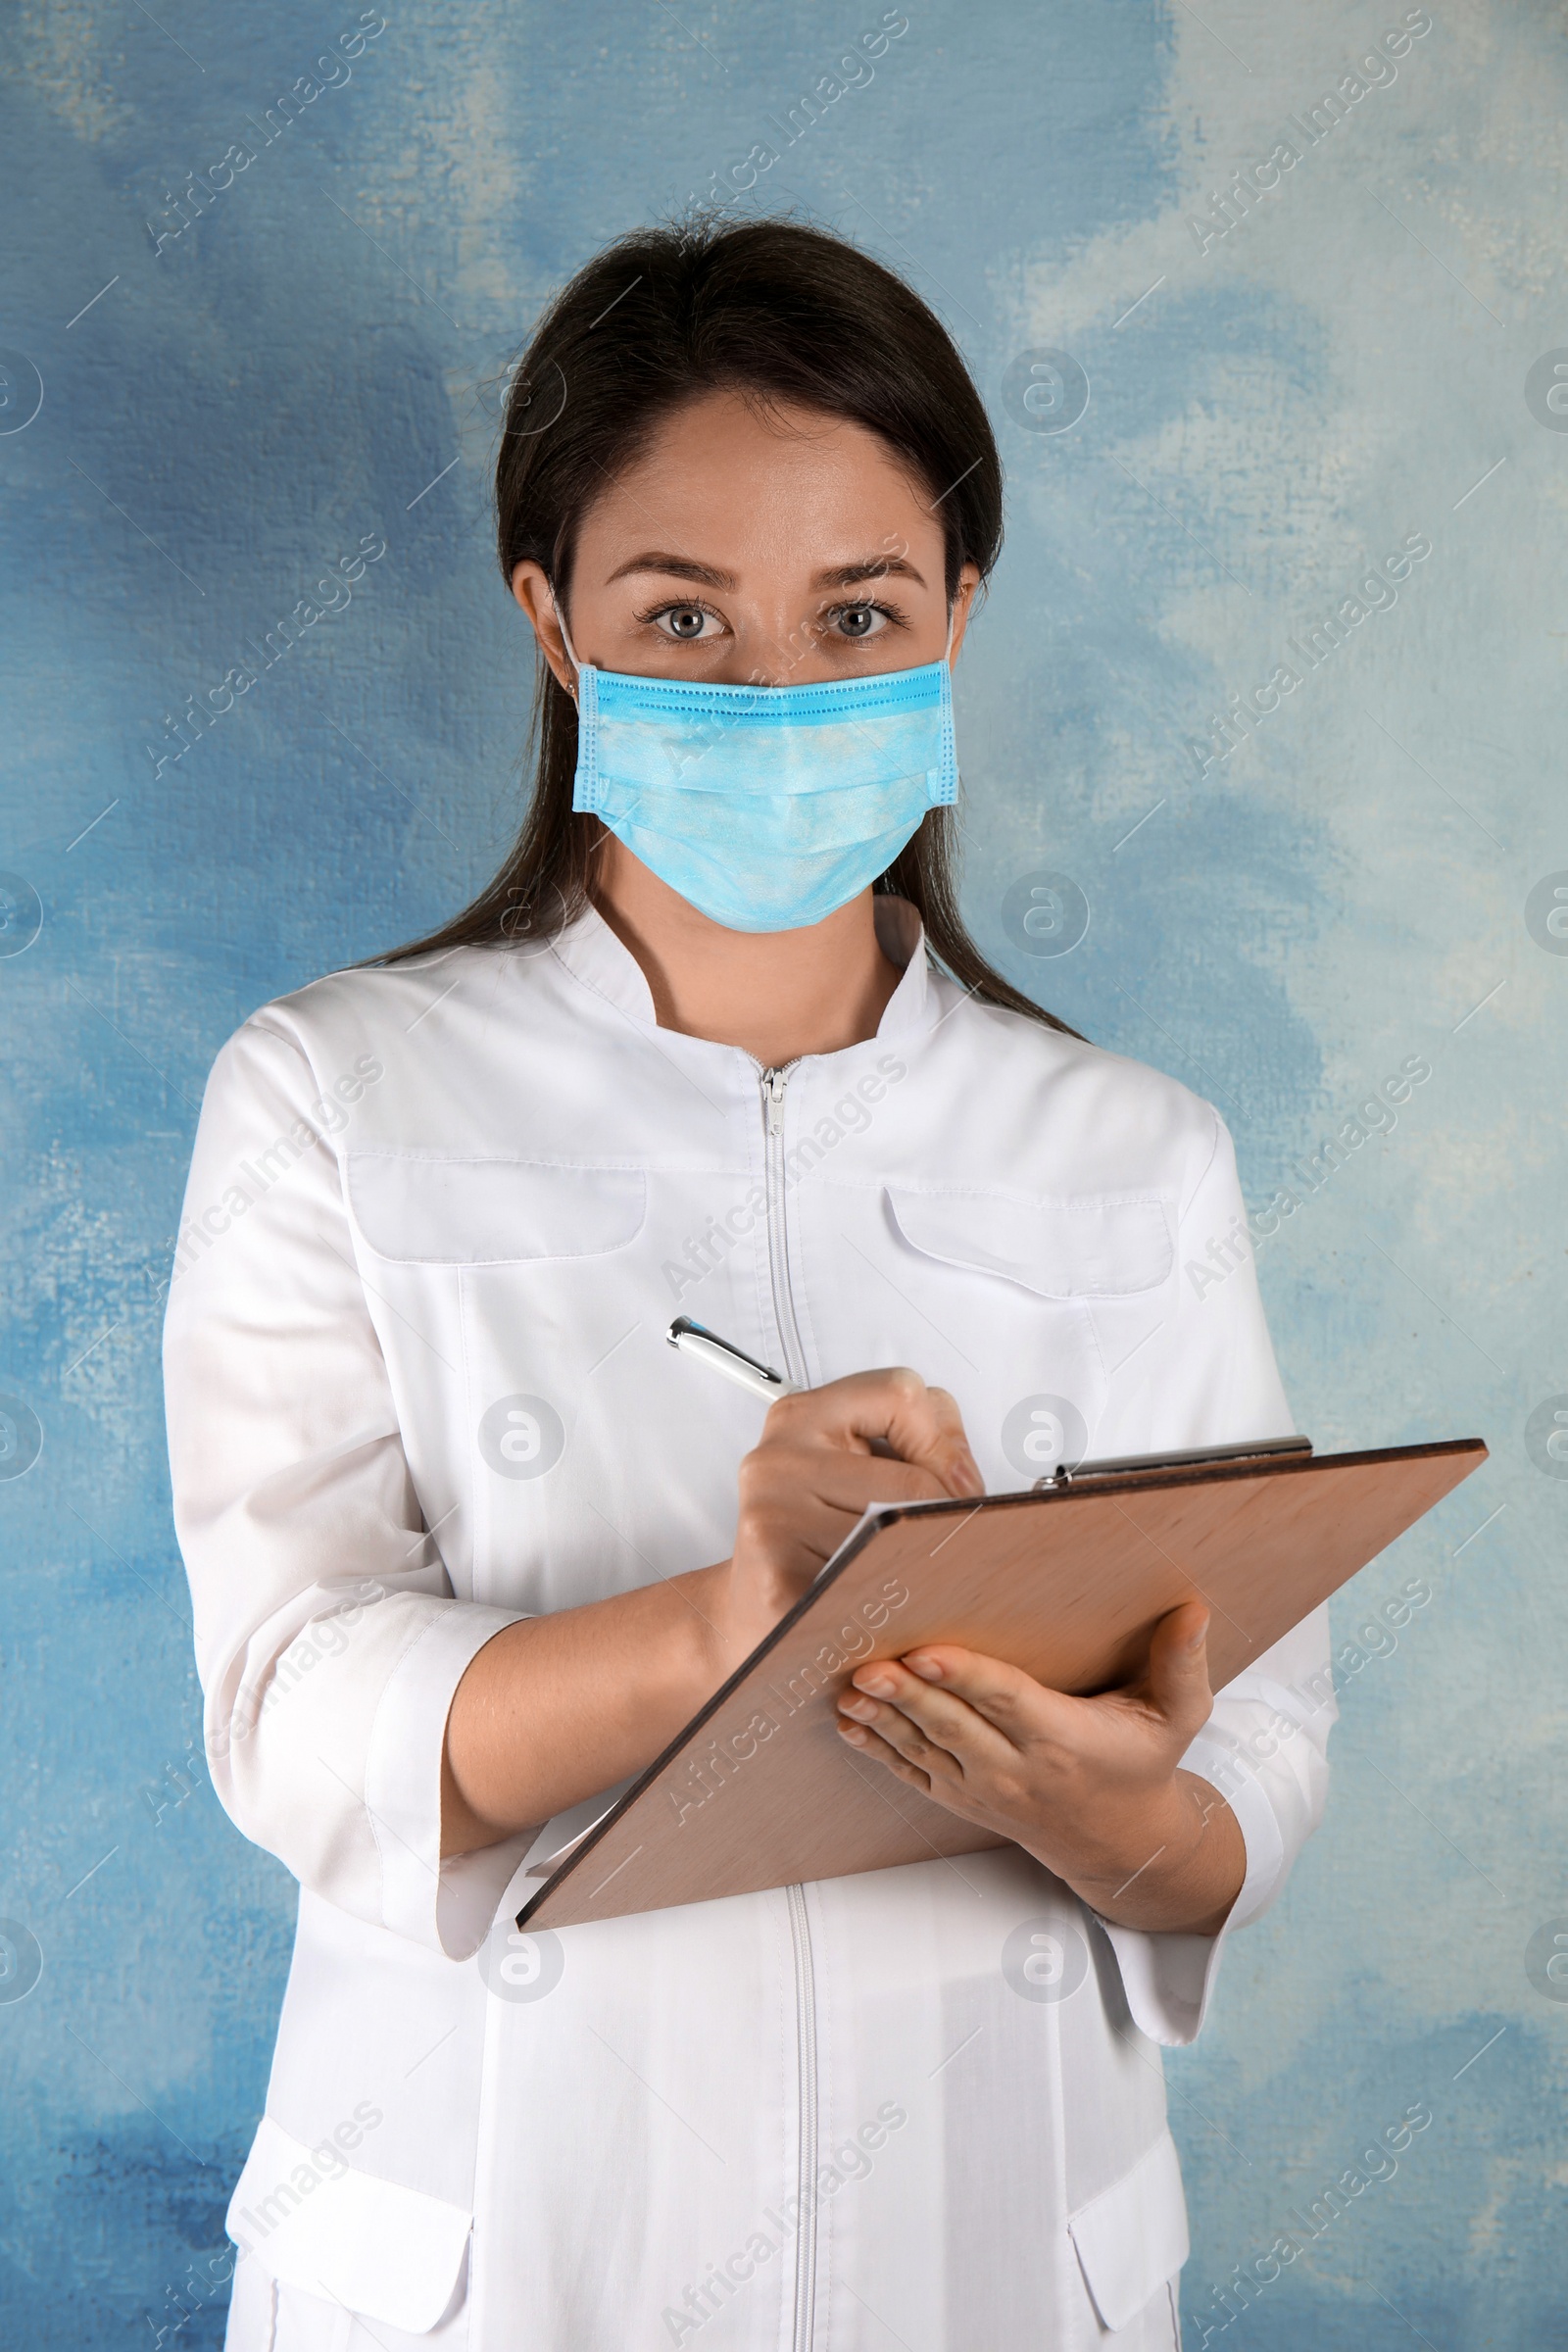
1282	914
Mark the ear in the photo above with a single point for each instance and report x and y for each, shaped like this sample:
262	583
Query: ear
964	605
531	585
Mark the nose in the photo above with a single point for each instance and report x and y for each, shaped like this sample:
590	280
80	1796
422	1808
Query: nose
776	653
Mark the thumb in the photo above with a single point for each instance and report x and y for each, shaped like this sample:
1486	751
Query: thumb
1177	1682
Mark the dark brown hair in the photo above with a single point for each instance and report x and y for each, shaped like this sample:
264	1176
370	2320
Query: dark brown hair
782	313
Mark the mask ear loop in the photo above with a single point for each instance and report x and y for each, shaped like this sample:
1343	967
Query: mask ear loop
949	788
585	782
565	639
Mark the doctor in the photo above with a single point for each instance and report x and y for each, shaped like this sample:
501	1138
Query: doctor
469	1544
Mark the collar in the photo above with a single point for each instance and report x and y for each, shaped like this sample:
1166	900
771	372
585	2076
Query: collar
593	954
595	957
901	936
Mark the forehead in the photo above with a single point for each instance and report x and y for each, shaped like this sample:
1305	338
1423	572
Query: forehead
741	486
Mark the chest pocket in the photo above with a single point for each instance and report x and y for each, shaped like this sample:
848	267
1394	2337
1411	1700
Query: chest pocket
1101	1248
416	1208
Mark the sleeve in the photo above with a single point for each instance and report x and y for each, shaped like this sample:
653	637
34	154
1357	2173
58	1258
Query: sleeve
1265	1745
328	1639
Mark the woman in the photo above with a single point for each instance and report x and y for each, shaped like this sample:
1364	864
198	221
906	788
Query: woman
468	1543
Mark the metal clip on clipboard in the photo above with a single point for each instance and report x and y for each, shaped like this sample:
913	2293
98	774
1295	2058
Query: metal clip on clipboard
1117	1465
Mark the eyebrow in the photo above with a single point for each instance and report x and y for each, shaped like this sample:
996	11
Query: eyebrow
850	575
708	575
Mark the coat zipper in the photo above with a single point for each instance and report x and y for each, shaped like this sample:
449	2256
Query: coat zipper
778	1264
803	2332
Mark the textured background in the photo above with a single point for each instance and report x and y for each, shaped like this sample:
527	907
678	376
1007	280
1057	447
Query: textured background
314	361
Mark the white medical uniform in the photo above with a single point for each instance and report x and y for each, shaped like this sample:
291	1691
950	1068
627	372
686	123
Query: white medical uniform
438	1220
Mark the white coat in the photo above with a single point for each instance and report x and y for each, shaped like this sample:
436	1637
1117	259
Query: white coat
438	1220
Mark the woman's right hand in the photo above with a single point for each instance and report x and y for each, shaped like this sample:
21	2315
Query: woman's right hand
811	1474
555	1707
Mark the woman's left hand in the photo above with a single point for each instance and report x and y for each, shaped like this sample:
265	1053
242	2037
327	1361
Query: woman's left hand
1089	1787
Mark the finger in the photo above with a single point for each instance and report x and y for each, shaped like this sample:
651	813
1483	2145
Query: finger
883	1693
1176	1679
923	1425
1018	1707
902	1734
905	1737
947	1451
850	1481
796	1480
867	1743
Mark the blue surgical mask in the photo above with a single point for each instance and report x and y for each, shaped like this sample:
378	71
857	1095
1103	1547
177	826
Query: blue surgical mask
766	807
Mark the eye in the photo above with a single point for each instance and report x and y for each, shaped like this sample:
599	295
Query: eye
858	622
685	622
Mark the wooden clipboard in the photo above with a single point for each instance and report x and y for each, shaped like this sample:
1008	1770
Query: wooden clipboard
1064	1581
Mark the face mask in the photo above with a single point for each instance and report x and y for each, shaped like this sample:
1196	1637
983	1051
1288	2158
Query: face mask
766	807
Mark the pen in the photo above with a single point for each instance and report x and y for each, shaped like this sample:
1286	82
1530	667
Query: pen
724	1356
693	1338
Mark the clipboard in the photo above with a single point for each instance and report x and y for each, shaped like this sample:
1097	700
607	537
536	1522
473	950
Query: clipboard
1063	1580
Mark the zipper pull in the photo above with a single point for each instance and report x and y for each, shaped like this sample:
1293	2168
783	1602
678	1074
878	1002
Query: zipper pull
774	1084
